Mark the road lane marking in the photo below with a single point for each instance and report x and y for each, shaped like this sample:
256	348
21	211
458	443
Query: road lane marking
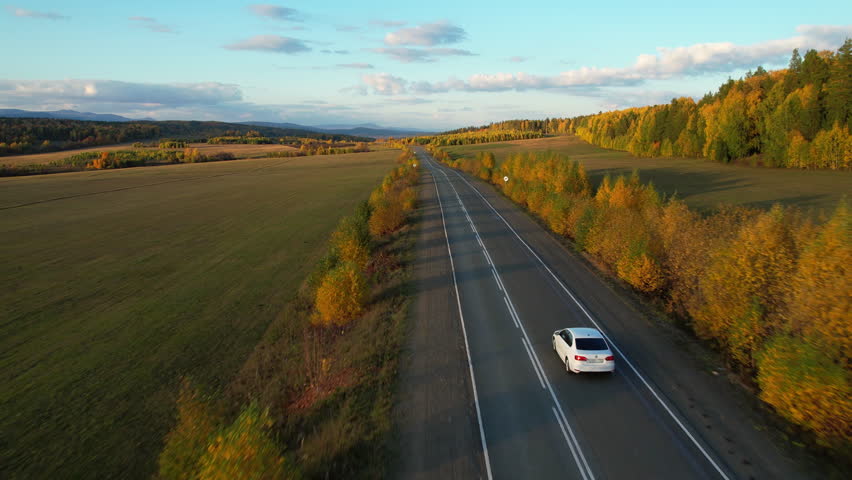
466	345
564	434
497	280
581	462
595	323
529	353
511	313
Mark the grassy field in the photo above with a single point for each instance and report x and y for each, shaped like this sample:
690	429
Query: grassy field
701	183
239	151
113	284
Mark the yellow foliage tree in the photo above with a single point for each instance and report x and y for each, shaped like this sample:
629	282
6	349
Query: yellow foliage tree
341	296
642	272
351	241
387	217
820	305
743	287
807	387
187	441
244	451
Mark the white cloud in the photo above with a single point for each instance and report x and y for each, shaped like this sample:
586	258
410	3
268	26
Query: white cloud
427	35
22	12
270	43
115	92
411	55
275	12
518	59
384	83
152	24
667	63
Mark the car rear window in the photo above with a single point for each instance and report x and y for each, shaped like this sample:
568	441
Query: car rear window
591	344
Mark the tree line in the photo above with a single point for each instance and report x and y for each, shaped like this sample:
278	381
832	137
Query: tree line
461	137
769	288
36	135
798	117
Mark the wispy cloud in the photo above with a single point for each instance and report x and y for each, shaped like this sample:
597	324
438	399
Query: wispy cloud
276	12
151	24
698	59
427	35
271	44
347	28
387	23
355	65
111	91
425	55
335	52
23	12
517	59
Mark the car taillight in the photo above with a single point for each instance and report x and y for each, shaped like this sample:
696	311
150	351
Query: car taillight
610	358
579	358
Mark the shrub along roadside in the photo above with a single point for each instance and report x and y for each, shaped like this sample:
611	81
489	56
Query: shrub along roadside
769	289
314	398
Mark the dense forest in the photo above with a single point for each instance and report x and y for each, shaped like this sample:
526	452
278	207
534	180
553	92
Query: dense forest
35	135
798	117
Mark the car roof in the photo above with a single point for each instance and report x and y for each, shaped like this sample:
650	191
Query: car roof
585	332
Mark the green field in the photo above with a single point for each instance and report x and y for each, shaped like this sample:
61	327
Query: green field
115	283
701	183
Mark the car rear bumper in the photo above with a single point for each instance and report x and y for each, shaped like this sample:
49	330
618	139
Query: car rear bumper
594	367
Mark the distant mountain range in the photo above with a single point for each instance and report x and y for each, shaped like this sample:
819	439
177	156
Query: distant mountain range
359	130
65	115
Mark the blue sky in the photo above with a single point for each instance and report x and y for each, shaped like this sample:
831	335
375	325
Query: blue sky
433	65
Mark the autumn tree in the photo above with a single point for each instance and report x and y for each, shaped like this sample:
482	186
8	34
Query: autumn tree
244	450
188	440
341	295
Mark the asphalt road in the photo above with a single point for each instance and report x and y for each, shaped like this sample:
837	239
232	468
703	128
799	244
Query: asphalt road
513	285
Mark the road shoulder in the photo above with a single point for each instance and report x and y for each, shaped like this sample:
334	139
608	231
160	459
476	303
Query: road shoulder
435	420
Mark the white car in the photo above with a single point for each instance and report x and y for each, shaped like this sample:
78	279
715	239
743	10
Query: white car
583	350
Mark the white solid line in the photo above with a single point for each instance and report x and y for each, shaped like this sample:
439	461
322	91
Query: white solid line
511	314
495	278
582	458
567	440
529	353
487	256
591	319
466	345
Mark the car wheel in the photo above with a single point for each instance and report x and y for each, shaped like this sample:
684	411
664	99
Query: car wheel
553	344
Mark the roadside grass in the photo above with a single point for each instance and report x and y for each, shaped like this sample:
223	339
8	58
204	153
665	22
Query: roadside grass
115	284
702	184
330	392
